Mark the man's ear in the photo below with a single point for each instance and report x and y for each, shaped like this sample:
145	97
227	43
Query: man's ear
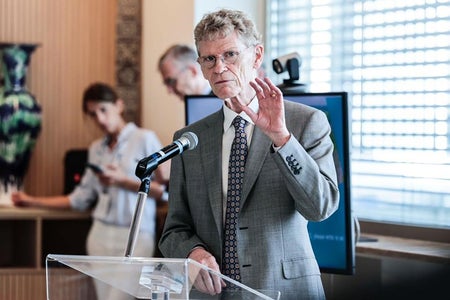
259	56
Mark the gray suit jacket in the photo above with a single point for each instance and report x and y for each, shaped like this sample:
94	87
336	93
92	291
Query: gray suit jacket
281	192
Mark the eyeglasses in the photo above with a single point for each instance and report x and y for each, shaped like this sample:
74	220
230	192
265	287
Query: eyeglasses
172	81
228	58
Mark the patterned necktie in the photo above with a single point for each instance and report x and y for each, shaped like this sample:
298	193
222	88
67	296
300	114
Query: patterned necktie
236	167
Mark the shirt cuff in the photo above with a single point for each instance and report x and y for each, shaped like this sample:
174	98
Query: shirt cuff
275	148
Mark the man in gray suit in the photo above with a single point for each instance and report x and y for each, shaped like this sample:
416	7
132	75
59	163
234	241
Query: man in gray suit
289	176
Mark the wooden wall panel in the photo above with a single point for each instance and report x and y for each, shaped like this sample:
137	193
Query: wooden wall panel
77	47
26	285
22	285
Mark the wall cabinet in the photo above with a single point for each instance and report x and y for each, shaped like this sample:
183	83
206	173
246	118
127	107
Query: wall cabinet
27	235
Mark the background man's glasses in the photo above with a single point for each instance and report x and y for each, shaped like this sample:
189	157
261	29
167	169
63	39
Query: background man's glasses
227	58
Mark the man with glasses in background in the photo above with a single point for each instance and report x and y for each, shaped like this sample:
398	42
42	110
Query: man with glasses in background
240	201
181	73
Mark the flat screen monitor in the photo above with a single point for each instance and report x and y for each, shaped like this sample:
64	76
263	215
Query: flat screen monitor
333	238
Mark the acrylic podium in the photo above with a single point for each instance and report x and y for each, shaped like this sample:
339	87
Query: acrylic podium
70	277
142	278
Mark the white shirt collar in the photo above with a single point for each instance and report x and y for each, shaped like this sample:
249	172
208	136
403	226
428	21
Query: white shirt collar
229	115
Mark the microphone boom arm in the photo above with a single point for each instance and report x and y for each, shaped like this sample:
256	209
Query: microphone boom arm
137	216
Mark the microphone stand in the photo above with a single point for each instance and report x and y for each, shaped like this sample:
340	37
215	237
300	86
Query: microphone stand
144	169
139	210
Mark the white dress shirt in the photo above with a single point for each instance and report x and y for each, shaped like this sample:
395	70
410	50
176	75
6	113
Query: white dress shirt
115	205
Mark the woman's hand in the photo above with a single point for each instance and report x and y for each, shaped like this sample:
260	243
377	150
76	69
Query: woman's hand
112	175
22	199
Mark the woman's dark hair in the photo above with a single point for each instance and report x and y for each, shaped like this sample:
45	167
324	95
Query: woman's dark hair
98	92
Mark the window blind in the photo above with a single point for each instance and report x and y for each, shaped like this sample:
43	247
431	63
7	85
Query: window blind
393	58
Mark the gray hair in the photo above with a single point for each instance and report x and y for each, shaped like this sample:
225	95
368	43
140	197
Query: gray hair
222	23
182	54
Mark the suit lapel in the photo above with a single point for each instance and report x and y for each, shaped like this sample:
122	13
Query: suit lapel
259	148
210	141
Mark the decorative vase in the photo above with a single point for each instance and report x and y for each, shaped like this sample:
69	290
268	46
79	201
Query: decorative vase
20	116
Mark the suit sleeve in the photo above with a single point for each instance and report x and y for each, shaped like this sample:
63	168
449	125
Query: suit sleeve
306	161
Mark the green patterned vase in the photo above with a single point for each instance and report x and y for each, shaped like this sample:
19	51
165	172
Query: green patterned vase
20	115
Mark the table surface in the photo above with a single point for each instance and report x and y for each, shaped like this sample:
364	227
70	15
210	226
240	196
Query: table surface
404	248
12	213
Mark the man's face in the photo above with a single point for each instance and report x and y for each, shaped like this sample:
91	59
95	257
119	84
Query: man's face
229	65
176	78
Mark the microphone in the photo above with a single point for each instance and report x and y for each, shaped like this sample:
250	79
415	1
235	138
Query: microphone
145	166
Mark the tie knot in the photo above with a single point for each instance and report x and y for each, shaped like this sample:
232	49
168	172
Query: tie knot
239	123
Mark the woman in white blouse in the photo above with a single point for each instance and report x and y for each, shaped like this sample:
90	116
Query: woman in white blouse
112	190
